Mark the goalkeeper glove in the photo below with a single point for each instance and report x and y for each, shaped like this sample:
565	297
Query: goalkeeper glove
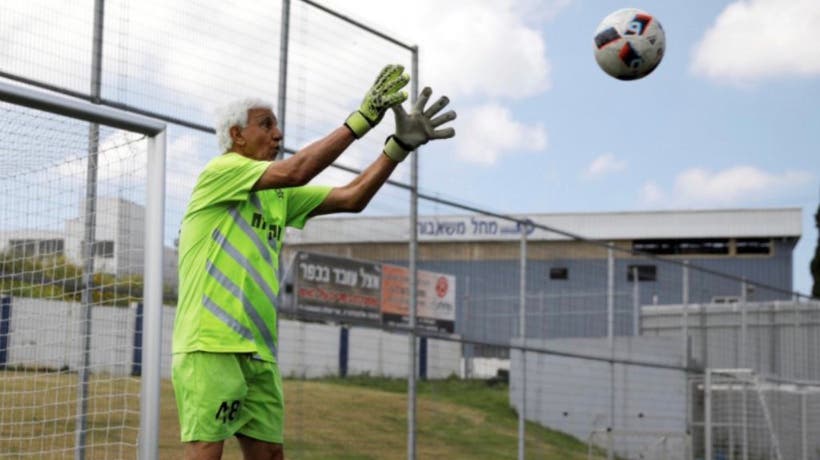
418	127
384	93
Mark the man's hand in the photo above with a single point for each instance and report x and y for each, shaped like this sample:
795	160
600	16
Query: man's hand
419	126
385	92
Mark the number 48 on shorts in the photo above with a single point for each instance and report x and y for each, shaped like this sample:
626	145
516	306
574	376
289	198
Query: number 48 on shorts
221	394
228	412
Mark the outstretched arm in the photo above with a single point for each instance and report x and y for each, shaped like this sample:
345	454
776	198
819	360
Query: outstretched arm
305	164
355	196
308	162
412	130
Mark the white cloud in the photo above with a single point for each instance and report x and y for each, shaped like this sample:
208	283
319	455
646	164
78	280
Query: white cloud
738	185
756	39
469	47
475	50
539	11
652	194
488	132
470	50
604	164
122	165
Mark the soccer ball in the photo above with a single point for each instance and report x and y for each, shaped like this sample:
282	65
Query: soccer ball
629	44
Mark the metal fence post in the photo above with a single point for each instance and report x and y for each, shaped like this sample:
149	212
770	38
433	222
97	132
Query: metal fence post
411	267
610	309
704	335
284	41
744	414
522	332
685	310
743	325
731	423
804	425
89	235
800	336
468	349
610	444
743	364
685	341
610	295
636	303
707	414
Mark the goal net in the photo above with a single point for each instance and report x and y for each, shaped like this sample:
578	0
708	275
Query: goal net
72	245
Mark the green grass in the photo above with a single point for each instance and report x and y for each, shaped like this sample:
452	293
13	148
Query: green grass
455	419
352	418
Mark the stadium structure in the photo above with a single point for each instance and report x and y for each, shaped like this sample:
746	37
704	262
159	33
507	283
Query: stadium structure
566	281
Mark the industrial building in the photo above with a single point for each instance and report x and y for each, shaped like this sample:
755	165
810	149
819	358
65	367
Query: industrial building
568	280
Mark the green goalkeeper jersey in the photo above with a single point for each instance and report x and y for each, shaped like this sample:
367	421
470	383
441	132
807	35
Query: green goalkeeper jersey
229	255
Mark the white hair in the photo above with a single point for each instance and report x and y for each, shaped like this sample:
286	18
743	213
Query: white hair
235	114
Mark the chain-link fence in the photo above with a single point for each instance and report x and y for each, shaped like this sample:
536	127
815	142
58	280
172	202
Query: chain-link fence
630	335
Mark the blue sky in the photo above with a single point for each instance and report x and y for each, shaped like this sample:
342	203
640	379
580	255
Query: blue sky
730	119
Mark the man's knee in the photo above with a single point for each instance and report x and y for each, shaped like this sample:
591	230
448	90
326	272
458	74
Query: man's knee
254	449
196	450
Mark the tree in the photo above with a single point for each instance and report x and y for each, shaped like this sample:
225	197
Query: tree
815	263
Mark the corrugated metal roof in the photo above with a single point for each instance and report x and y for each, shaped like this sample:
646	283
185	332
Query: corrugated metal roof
724	223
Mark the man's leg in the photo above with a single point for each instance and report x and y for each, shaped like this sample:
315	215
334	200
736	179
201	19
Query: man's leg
201	450
210	390
254	449
261	438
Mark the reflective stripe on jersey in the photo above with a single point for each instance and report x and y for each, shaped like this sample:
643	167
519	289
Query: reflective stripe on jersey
260	246
226	318
235	291
244	262
256	202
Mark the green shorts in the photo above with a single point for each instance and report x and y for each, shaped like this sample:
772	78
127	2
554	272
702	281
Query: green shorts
222	394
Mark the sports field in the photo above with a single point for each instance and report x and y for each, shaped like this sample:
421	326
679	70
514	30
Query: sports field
358	418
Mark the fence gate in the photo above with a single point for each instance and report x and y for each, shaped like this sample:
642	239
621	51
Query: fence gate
738	414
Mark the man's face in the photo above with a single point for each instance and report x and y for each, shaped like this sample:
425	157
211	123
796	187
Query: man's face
261	136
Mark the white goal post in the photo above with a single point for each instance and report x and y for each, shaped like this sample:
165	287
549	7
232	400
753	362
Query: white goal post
152	281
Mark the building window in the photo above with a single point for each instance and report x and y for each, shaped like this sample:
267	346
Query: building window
725	299
682	247
645	273
51	247
559	273
23	248
104	249
753	246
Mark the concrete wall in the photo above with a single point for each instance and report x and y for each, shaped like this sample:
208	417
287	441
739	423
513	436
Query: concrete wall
308	350
377	352
46	334
578	396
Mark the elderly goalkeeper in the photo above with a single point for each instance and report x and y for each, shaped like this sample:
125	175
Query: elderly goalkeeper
225	374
